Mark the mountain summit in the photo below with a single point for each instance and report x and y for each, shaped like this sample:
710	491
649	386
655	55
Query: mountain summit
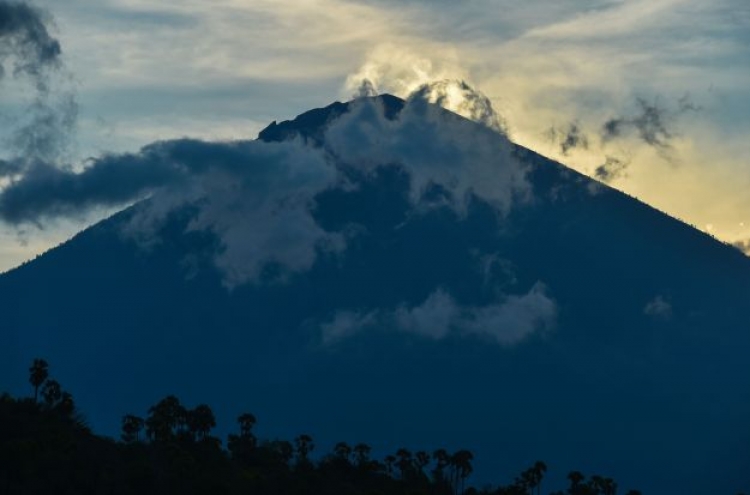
387	271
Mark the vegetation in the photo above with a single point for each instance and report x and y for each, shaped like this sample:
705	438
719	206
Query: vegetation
46	447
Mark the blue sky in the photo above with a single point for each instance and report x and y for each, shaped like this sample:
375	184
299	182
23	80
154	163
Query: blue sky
141	71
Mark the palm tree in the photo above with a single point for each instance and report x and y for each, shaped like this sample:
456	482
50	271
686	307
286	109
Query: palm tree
38	373
461	461
538	471
131	428
165	419
51	393
389	460
442	461
246	421
576	478
404	462
200	421
421	459
305	445
67	406
342	450
362	453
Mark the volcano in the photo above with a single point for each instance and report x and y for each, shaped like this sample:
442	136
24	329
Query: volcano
404	277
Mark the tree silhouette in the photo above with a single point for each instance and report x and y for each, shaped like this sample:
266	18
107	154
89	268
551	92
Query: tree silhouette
461	462
390	461
242	446
44	446
575	478
247	422
51	393
200	421
131	428
165	419
442	461
304	445
38	373
362	455
404	462
342	451
421	460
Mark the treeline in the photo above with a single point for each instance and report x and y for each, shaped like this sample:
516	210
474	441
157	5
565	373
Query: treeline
46	447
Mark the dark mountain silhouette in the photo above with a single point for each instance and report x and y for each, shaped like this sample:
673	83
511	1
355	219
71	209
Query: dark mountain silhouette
641	374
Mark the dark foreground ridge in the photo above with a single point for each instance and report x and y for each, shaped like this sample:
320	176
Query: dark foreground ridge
46	447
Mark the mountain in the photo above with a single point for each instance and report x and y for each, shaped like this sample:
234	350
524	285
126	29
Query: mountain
446	288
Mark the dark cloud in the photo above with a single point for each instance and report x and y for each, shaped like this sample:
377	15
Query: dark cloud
612	168
569	137
45	129
366	88
26	42
40	134
46	190
743	245
651	123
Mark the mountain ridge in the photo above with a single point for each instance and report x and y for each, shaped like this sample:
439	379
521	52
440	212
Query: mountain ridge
645	351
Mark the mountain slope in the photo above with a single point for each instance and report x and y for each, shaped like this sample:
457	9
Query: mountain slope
577	325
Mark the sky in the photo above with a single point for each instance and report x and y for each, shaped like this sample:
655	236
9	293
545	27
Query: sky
652	97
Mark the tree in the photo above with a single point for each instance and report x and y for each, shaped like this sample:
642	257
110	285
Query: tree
404	462
362	454
38	373
246	421
243	445
575	478
461	462
421	460
304	445
51	393
131	428
389	460
165	419
442	461
200	421
342	451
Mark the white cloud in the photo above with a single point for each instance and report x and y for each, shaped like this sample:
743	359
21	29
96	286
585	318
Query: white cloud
257	200
345	324
658	307
433	318
435	147
515	318
507	322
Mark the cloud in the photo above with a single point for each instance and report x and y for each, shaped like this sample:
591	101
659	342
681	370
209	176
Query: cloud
347	323
25	40
613	168
514	319
255	196
742	245
651	124
658	307
435	148
433	318
41	130
507	322
400	71
461	98
569	137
